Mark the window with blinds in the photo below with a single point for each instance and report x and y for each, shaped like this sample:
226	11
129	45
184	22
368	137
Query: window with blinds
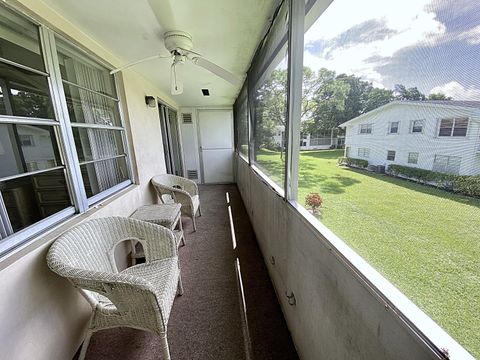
62	141
95	119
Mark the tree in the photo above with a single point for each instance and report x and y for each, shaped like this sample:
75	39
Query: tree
439	96
340	98
32	104
377	97
270	109
402	93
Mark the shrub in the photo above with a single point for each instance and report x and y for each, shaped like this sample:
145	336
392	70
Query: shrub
348	161
422	175
463	184
313	201
467	185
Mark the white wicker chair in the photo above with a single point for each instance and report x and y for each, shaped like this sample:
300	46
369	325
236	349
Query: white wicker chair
140	296
181	190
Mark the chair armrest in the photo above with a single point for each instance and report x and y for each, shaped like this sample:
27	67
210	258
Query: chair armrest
190	186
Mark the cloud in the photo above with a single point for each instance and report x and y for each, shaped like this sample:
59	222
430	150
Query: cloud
457	91
472	36
368	35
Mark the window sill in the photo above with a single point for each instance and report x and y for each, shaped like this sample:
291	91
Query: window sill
264	177
412	317
243	157
51	233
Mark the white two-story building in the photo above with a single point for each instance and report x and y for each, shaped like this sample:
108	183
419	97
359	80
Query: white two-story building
442	136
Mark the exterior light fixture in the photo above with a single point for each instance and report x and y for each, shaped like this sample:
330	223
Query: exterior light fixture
150	101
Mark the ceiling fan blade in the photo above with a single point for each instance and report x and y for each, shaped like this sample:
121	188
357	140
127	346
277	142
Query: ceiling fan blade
217	70
190	52
159	56
176	78
162	9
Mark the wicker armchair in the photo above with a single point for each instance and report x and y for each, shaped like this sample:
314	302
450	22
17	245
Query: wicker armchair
140	296
181	190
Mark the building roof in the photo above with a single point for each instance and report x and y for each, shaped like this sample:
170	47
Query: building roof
436	103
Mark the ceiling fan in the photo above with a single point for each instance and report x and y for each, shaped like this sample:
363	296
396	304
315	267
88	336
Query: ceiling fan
179	44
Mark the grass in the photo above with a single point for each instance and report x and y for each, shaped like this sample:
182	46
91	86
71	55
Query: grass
426	241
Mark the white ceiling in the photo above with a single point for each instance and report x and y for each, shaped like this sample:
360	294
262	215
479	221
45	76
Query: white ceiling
225	32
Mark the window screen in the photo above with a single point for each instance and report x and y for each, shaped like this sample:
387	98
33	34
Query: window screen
268	98
241	122
406	203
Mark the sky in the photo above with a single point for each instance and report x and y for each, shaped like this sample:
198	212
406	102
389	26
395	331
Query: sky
431	44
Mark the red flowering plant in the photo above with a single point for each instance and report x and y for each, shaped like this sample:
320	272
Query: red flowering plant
314	201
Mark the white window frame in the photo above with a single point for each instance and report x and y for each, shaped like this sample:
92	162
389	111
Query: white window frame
390	128
416	157
412	125
452	130
394	155
363	152
449	158
10	240
368	129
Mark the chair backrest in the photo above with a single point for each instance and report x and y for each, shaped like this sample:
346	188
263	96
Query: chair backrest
165	185
89	246
167	180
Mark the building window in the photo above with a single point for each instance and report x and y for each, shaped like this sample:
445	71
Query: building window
447	164
363	152
393	127
365	128
26	140
413	157
40	181
417	126
348	150
453	127
391	155
95	118
33	182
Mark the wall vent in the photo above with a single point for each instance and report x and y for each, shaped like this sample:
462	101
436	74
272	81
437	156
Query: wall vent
187	118
192	174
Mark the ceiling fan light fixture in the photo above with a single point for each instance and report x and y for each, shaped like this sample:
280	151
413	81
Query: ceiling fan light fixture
176	78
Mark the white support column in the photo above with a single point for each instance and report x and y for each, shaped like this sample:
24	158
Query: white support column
294	91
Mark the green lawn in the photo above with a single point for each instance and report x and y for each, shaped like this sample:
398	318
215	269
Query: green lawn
426	241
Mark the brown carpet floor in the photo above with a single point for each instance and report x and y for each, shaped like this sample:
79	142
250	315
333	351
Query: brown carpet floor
208	321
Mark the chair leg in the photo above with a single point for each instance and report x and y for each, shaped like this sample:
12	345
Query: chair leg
86	341
165	350
180	285
194	223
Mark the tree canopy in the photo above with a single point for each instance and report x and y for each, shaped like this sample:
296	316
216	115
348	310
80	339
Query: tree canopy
328	100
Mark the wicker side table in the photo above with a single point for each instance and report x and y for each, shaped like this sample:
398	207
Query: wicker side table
167	215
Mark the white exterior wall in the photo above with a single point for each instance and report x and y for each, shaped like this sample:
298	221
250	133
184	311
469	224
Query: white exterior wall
427	144
43	316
